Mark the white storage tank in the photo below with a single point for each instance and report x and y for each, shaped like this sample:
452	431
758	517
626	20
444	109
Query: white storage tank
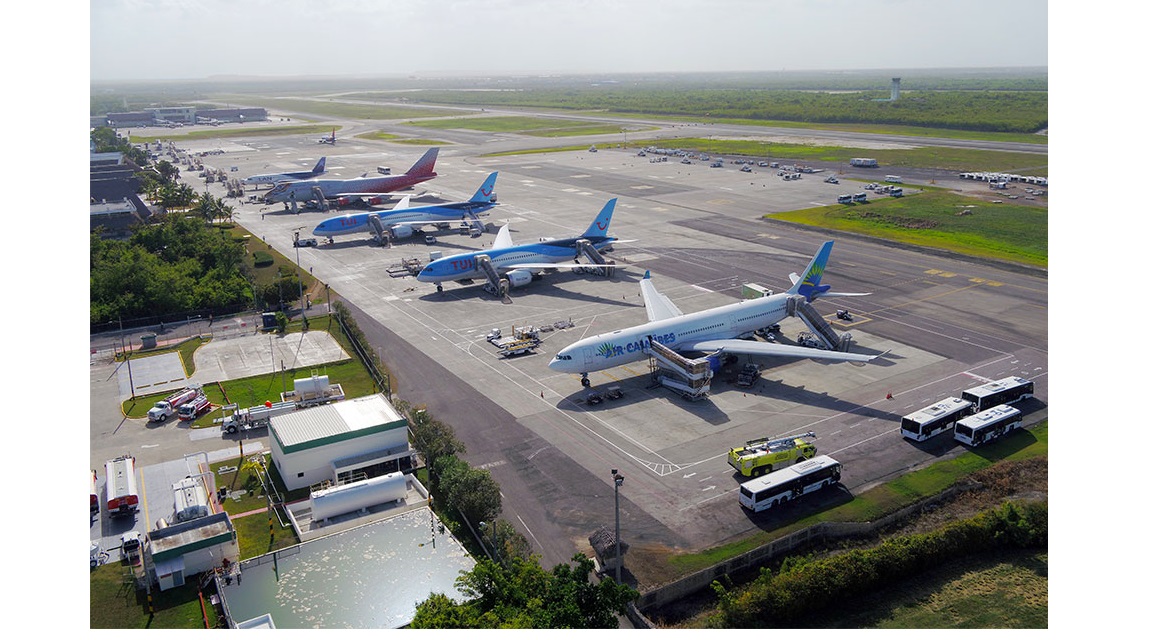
347	498
314	385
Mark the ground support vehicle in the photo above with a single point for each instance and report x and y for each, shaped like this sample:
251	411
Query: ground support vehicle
766	455
194	409
167	407
985	426
122	496
748	375
780	487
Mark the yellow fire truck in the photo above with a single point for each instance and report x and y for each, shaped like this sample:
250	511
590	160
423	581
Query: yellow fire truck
762	456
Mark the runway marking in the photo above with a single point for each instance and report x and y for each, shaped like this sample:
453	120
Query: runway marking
642	186
581	175
690	475
497	463
529	531
696	286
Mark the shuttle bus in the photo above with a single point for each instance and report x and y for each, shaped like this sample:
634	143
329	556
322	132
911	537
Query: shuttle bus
779	487
1005	391
934	420
988	425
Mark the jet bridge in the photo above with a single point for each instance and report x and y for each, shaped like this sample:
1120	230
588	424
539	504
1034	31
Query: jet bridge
585	249
797	306
691	378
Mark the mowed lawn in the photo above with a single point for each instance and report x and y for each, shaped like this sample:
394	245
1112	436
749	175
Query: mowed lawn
942	220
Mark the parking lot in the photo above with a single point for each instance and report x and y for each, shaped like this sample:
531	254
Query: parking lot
944	324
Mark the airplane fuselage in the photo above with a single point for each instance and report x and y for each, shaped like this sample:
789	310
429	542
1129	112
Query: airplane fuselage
301	190
275	178
358	222
466	265
607	350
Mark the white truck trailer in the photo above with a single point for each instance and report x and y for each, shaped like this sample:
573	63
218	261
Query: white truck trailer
258	417
168	407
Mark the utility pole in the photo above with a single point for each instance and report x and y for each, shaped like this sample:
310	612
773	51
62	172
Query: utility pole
618	560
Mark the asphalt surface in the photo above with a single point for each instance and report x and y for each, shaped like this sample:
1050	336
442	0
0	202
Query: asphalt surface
946	323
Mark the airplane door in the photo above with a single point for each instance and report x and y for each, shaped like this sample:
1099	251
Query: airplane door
588	357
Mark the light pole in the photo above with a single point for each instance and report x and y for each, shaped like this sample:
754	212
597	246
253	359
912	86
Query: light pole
618	560
300	276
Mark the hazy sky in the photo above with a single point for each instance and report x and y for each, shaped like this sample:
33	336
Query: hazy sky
182	39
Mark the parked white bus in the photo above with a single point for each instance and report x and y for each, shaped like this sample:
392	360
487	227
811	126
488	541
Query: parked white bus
1005	391
934	420
779	487
988	425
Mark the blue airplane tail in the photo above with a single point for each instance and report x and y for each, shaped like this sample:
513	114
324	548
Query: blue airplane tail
319	168
426	165
487	191
598	227
808	284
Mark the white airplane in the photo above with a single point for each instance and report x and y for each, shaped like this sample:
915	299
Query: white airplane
372	190
276	178
403	220
508	265
711	331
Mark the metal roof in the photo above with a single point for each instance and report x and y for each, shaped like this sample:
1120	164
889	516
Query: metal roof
335	422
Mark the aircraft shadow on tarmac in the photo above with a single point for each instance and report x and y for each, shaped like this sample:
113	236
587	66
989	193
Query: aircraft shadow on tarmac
548	286
724	383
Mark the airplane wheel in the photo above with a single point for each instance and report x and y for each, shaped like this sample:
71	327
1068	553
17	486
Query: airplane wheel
585	382
439	288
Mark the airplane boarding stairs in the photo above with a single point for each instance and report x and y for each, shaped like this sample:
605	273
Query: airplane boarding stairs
691	378
585	249
797	306
495	285
382	234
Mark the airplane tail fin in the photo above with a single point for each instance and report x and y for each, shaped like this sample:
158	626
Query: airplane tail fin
319	168
808	285
487	191
426	165
598	227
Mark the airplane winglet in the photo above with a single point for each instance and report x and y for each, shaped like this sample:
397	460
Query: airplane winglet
647	275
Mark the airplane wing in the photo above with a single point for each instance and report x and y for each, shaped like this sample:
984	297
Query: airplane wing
659	306
403	203
556	265
756	348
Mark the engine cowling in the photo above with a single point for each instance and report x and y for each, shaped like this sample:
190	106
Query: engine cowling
345	200
518	277
374	200
402	232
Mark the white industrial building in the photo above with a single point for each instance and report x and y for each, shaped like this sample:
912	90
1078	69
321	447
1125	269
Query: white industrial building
335	443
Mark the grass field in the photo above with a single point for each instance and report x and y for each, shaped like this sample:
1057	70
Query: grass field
936	218
531	126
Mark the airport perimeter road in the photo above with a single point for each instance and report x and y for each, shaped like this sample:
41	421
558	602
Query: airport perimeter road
945	324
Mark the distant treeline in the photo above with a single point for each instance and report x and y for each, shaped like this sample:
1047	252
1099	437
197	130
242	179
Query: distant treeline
998	111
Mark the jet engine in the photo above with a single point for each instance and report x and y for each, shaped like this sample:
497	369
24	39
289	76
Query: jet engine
374	200
402	232
518	277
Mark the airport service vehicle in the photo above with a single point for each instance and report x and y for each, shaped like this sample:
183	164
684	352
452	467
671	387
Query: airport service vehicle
191	499
934	420
94	507
194	409
168	406
1006	391
892	179
122	497
305	242
860	197
254	417
766	455
747	375
988	425
897	192
843	200
780	487
864	162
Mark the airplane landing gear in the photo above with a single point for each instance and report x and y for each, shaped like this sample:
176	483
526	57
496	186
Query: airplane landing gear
584	381
439	288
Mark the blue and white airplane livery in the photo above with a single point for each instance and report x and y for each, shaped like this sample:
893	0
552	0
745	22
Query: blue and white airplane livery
402	221
508	265
710	331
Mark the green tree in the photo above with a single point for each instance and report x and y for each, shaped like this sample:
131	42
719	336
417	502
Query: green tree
471	492
522	594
